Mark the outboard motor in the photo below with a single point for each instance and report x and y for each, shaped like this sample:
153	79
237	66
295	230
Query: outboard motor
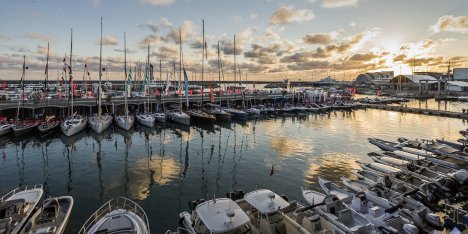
410	229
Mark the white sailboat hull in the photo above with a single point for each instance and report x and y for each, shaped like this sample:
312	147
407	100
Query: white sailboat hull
180	118
5	129
160	117
145	120
125	122
73	126
100	124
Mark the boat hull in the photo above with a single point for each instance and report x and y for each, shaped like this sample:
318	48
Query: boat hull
72	130
99	125
125	122
20	130
47	128
5	129
145	120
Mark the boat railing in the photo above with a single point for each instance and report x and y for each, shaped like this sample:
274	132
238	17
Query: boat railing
115	204
20	189
455	213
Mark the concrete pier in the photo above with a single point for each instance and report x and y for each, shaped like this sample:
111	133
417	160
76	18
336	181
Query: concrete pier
422	111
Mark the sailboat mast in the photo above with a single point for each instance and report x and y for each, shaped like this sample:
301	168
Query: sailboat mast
47	70
234	60
125	78
180	67
203	61
70	77
219	76
100	76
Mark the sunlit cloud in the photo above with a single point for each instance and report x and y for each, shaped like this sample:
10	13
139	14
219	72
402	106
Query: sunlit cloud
5	37
288	14
320	38
450	23
39	37
157	2
338	3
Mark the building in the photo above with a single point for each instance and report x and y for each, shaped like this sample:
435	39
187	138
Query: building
460	74
374	78
457	86
414	82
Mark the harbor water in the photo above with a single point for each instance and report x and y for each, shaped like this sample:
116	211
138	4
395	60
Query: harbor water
164	168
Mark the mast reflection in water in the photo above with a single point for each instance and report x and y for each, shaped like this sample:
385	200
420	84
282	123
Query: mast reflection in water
165	167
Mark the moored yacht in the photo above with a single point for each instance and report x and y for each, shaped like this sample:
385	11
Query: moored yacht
145	119
125	121
179	117
220	215
99	122
119	215
16	206
73	125
52	217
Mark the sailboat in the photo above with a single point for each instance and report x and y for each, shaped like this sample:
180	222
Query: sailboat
125	121
74	123
100	122
180	116
21	127
216	109
146	118
237	114
50	123
159	116
201	115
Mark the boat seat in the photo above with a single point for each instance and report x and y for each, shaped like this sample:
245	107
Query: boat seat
345	216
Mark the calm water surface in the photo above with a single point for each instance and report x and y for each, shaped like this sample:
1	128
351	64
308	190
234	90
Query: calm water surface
165	167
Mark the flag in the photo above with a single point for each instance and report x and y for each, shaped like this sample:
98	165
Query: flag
61	81
168	87
211	95
74	86
220	92
168	92
254	85
156	92
191	92
230	92
4	86
186	84
143	85
272	171
238	91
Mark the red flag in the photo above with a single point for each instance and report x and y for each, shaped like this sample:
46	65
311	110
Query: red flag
254	85
61	81
191	92
247	91
230	91
272	171
239	91
211	95
4	85
156	92
168	92
180	91
74	86
201	91
220	92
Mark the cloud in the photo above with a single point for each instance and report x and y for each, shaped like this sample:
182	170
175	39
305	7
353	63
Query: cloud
237	18
39	37
129	51
320	38
151	25
338	3
108	41
149	40
253	16
309	65
165	22
288	14
5	38
19	49
365	57
352	24
187	30
450	23
263	55
42	50
166	52
245	35
157	2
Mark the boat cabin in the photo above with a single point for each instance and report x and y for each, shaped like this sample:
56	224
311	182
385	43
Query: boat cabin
221	215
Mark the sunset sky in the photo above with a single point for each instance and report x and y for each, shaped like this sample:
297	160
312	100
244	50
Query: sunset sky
276	39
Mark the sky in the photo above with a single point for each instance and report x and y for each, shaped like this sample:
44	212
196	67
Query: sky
275	39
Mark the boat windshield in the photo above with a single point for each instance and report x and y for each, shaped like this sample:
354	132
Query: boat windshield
274	217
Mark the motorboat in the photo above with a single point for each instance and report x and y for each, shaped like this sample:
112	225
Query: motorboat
16	206
125	121
119	215
21	128
145	119
271	213
393	172
411	209
99	123
339	214
253	112
179	117
216	110
220	215
52	217
435	165
381	212
73	125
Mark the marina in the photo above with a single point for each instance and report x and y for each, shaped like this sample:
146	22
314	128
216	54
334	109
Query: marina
152	166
